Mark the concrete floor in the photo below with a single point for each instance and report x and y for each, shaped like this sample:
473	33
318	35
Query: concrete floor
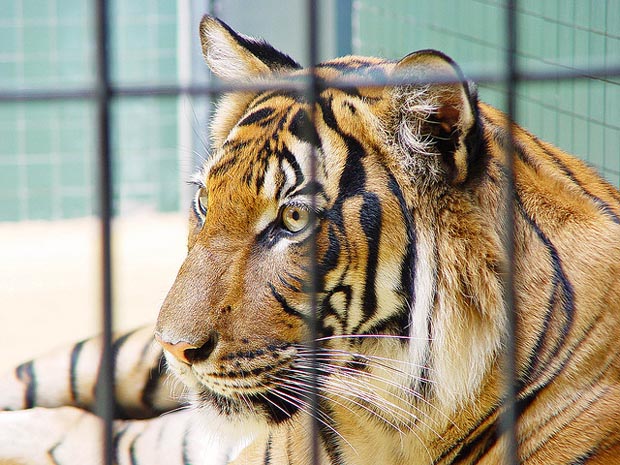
49	279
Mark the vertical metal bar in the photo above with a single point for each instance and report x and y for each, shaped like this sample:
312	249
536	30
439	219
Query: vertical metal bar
105	381
509	416
312	97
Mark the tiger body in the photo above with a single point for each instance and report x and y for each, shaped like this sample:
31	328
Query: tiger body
405	200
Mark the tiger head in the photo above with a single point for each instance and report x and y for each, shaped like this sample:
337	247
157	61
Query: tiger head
336	209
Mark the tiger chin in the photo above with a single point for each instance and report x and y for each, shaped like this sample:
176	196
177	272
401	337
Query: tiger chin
403	208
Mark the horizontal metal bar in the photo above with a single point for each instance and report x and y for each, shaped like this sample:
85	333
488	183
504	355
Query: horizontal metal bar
300	84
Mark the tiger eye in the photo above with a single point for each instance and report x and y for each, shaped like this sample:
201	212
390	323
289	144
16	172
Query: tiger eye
202	201
295	218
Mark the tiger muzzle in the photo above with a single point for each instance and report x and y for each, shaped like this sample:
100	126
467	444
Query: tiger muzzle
186	352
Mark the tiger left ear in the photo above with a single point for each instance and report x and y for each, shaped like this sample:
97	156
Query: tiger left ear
234	56
436	112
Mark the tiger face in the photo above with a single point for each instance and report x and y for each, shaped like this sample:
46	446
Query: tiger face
236	321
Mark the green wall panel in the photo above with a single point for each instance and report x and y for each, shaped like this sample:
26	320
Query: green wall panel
47	148
581	116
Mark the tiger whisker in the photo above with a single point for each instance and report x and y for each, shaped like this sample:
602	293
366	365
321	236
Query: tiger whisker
178	409
341	393
367	356
408	390
306	408
307	389
353	390
372	336
361	384
306	351
367	361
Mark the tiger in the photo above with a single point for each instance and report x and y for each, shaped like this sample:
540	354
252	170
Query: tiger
343	297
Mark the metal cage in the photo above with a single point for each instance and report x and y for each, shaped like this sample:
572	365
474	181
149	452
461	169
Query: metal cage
104	91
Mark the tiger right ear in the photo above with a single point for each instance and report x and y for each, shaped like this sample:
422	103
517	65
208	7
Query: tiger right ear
435	114
233	56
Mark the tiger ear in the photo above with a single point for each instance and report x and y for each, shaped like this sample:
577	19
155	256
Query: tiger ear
436	114
233	56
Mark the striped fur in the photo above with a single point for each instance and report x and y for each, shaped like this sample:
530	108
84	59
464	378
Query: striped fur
410	262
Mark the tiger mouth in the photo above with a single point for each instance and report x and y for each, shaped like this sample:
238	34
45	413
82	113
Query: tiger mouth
277	406
266	390
243	381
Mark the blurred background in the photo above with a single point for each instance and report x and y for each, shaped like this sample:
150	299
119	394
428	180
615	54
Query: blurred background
49	243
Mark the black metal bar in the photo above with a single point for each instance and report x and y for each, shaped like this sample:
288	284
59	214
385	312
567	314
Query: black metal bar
509	415
105	382
213	88
312	92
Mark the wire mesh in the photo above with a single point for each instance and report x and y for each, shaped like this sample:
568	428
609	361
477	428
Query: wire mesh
103	92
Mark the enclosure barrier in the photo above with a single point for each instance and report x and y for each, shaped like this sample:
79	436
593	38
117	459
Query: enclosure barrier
103	92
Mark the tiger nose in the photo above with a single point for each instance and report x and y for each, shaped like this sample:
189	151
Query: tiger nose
186	352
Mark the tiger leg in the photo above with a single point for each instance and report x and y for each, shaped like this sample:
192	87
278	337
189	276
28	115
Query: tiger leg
72	436
68	377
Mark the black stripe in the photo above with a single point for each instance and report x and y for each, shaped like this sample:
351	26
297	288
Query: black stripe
327	309
310	188
408	268
329	438
25	373
73	374
151	385
224	165
285	306
256	116
471	436
584	458
268	451
288	285
301	127
396	323
561	283
478	447
353	177
185	458
275	404
370	221
133	459
331	257
52	450
265	96
118	436
286	154
605	207
119	409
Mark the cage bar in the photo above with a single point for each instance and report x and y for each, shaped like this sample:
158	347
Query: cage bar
105	383
104	91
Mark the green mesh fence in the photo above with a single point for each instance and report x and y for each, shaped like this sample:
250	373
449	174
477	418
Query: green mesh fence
582	116
47	148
